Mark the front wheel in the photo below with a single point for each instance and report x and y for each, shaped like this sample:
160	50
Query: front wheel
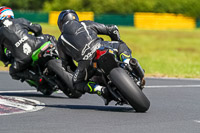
129	90
63	78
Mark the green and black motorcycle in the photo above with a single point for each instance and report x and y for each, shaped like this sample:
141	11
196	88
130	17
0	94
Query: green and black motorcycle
51	75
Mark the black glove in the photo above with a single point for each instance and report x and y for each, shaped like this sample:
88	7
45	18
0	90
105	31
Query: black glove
113	32
37	29
51	38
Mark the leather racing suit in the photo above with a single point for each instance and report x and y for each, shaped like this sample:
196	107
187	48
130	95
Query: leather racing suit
79	41
16	36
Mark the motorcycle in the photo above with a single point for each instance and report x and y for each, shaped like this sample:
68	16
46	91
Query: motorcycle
51	75
123	82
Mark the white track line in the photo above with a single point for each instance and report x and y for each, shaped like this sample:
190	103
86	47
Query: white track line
21	91
173	86
197	121
171	78
153	86
18	91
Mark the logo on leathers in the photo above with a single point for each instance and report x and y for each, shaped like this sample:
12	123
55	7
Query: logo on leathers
27	49
7	23
93	49
22	40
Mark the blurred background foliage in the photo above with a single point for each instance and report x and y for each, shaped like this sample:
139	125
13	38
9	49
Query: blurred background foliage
187	7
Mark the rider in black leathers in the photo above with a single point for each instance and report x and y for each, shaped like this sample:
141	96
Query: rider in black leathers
79	41
15	36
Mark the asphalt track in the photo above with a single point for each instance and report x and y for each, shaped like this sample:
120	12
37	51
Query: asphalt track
175	108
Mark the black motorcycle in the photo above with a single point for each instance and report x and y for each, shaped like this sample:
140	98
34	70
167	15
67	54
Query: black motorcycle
124	83
51	75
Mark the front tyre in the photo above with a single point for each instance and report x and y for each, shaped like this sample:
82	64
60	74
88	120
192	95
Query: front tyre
129	90
63	78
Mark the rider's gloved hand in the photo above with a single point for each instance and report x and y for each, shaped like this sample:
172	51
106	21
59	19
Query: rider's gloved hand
113	32
51	38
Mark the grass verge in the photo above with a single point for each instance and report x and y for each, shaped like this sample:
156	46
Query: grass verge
162	53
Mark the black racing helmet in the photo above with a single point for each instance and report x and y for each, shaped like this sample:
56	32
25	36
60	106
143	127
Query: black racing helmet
65	16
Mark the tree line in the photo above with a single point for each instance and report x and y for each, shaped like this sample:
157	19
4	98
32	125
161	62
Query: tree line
187	7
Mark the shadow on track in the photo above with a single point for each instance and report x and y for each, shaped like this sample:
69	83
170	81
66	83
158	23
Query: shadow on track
75	107
32	95
92	107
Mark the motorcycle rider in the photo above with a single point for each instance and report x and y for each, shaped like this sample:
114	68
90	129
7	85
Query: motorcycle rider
15	36
79	40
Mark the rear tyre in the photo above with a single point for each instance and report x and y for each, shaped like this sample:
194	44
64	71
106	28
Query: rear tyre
64	78
129	90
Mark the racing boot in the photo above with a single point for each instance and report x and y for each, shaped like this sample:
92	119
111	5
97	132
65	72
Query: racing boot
20	75
26	74
100	91
125	58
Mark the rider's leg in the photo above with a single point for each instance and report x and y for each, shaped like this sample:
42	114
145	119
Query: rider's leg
81	84
18	71
93	88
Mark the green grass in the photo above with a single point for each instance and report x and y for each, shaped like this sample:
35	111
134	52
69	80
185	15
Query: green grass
165	53
171	53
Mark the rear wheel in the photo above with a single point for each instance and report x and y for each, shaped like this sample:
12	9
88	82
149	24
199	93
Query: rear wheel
63	78
129	90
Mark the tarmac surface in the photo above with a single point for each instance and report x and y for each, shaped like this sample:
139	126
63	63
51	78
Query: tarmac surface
175	108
